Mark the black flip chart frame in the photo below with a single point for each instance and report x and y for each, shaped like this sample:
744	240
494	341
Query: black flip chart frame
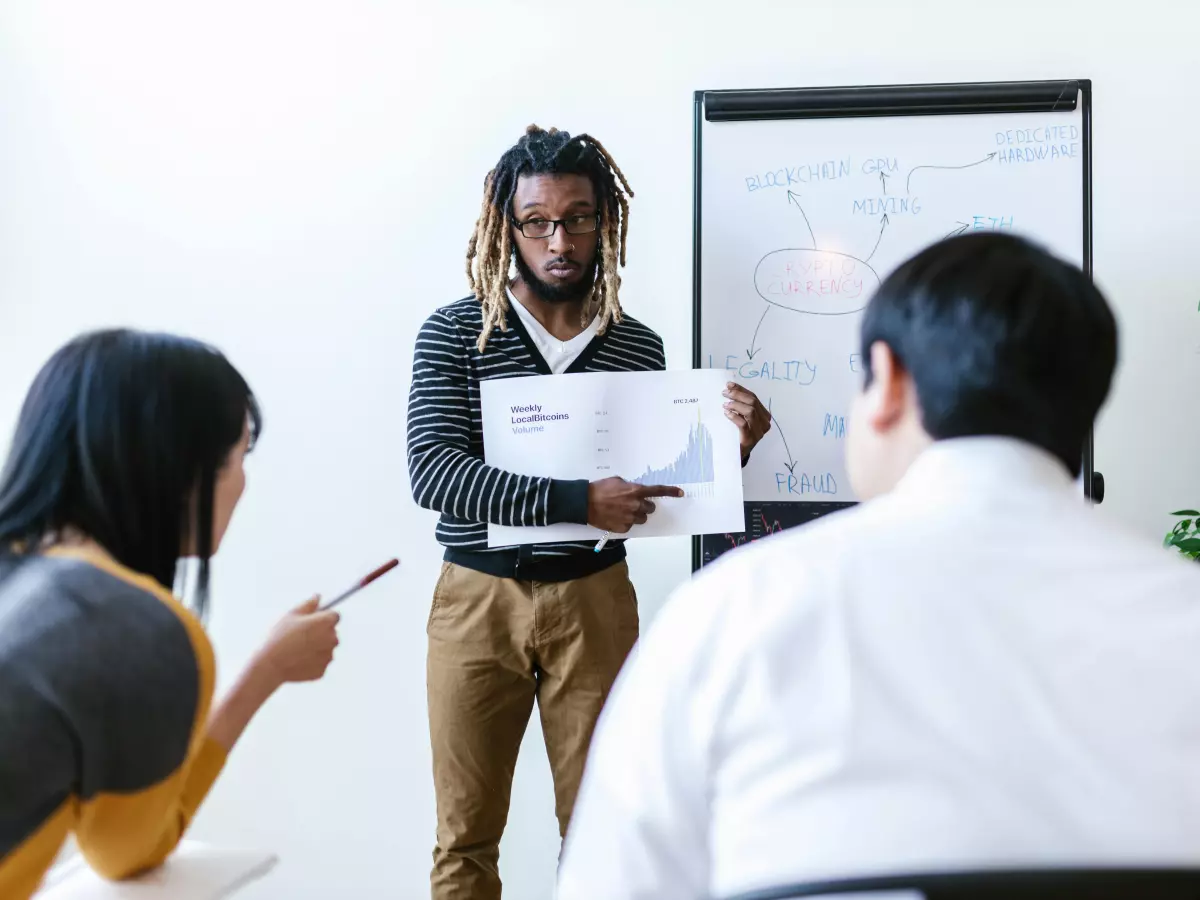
874	100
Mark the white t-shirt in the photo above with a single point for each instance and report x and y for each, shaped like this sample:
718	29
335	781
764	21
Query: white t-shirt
558	354
977	670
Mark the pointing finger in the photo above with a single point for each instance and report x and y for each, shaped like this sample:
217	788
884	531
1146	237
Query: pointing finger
658	490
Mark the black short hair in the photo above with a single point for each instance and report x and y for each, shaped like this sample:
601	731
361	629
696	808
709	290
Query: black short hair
117	433
1000	338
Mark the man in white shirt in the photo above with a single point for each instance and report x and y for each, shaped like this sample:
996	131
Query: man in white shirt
972	669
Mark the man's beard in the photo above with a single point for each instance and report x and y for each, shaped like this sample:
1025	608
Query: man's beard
557	293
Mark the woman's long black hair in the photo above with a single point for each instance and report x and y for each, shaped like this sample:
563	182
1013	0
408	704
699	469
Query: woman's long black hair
120	430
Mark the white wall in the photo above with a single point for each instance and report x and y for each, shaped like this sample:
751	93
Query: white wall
297	184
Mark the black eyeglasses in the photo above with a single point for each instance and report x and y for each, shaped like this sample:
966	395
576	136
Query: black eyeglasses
543	228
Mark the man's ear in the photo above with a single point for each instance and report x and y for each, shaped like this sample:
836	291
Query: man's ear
887	395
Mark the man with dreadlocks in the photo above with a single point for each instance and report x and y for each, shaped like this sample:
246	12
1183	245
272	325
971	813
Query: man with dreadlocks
548	622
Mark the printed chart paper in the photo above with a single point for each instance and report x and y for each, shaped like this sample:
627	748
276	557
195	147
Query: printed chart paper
646	427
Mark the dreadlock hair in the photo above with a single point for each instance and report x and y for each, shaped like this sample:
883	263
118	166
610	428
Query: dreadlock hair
490	250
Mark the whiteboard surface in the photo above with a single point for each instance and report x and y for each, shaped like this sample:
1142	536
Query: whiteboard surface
800	221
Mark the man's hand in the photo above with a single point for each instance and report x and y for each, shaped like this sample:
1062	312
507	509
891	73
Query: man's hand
748	414
616	505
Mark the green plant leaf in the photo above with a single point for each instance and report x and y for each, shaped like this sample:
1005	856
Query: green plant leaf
1189	545
1186	512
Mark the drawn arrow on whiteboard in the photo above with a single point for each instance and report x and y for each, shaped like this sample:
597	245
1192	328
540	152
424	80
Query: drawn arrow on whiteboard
791	463
883	223
795	198
978	162
962	226
883	182
754	340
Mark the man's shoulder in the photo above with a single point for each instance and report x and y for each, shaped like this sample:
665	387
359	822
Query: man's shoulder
754	596
638	346
778	571
465	313
454	326
633	327
818	544
1108	541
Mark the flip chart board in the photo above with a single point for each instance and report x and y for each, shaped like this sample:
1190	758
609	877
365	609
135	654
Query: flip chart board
806	199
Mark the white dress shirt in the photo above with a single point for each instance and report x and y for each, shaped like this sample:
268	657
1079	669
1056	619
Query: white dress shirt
976	670
558	354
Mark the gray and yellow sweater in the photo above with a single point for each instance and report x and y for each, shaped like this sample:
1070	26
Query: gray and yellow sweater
106	681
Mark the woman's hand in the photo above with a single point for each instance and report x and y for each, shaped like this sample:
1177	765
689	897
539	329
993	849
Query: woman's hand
300	647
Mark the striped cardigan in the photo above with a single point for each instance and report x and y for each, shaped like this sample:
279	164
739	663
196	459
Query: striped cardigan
445	441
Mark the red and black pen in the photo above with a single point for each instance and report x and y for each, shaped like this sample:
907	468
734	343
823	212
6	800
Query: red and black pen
362	583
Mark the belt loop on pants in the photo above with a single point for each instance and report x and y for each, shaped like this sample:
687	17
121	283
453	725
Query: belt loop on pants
522	570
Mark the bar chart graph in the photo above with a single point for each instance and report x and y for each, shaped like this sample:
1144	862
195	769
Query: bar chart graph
692	469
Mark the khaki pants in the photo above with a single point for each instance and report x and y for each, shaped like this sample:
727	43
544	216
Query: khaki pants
496	644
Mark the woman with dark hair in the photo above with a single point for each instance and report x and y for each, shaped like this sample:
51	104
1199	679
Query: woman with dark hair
128	456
